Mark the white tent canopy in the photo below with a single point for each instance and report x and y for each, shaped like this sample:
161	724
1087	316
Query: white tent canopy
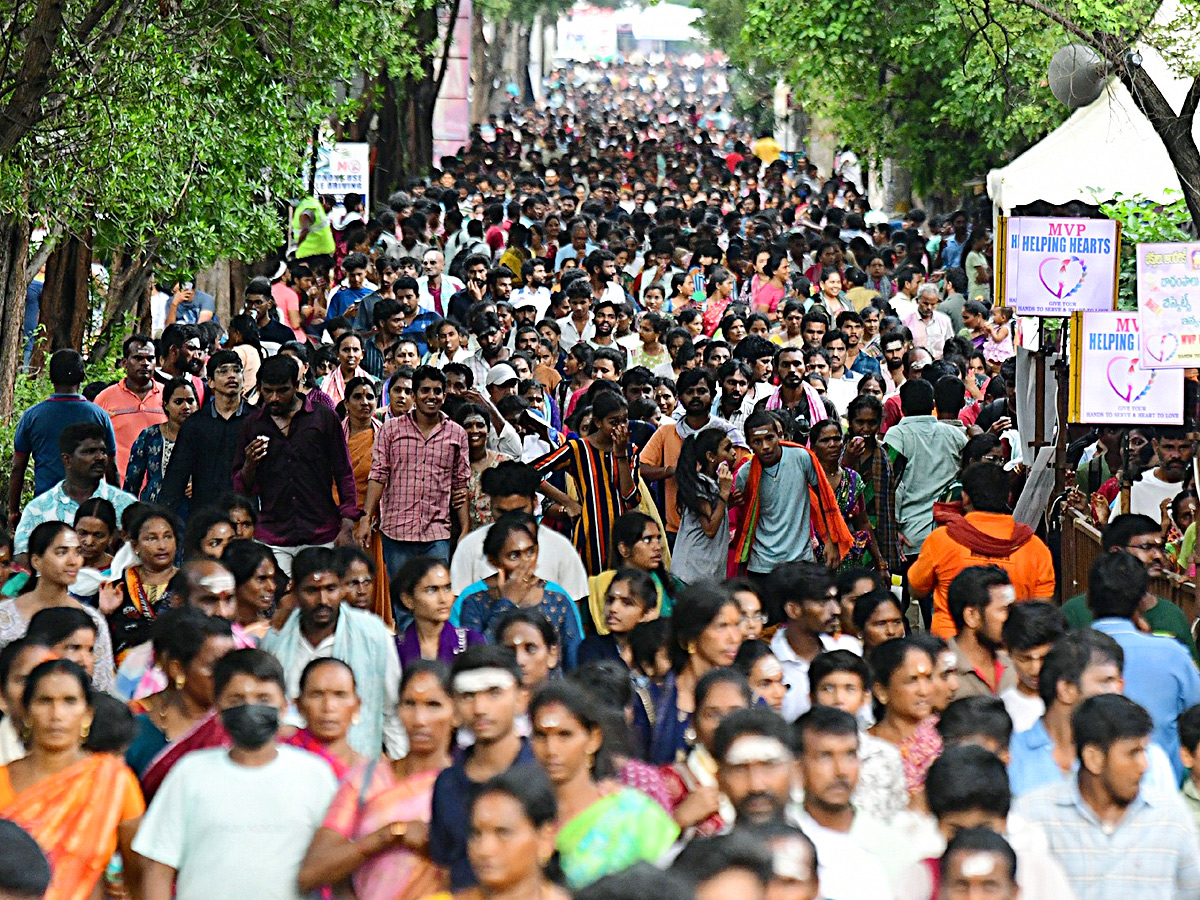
660	22
1105	148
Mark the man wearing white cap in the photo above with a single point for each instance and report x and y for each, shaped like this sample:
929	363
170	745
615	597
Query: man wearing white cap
501	382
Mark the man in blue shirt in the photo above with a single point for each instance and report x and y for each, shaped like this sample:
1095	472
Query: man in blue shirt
1113	838
1082	663
39	428
84	450
1159	673
415	320
851	325
190	306
488	697
956	241
345	301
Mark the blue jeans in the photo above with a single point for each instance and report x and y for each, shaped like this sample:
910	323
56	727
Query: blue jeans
397	553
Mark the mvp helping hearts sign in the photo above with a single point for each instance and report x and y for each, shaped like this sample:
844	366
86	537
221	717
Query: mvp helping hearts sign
1168	292
1056	267
1110	384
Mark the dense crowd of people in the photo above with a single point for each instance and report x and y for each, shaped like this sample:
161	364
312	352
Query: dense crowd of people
623	511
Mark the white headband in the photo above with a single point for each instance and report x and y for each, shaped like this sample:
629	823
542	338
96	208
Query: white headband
756	748
977	865
476	681
219	583
790	859
771	666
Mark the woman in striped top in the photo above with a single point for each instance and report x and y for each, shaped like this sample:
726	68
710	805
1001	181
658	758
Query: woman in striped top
604	468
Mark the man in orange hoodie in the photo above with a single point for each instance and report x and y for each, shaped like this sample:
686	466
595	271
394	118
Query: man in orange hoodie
986	535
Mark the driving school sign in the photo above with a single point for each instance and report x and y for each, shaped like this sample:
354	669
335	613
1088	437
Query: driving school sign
344	169
1109	384
1168	292
1056	267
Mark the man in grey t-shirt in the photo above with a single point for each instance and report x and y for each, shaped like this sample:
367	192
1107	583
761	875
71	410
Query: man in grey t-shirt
781	530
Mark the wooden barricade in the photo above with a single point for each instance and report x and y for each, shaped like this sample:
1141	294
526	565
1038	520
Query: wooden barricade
1081	546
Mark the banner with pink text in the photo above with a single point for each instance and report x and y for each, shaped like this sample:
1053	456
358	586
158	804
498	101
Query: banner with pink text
1109	384
1168	293
1056	267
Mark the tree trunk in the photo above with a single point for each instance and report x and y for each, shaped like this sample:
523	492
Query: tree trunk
487	62
417	116
66	297
127	299
388	160
215	280
478	65
14	253
522	79
419	95
1175	130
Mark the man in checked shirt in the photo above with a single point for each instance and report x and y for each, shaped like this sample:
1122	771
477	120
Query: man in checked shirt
419	467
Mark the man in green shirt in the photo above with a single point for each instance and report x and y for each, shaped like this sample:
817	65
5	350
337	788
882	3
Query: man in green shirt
1142	537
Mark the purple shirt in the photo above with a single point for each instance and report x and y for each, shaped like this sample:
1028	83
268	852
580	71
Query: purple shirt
296	479
451	643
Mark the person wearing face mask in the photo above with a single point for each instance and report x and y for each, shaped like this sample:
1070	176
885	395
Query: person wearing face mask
236	823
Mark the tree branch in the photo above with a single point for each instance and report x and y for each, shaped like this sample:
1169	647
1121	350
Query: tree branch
440	74
1089	38
92	19
1190	102
49	242
37	71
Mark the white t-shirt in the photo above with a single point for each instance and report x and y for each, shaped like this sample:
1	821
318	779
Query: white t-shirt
237	832
1023	709
558	561
846	869
1147	494
903	306
842	390
795	670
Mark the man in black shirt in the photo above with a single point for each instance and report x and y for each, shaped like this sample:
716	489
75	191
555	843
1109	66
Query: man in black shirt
1005	408
260	306
203	454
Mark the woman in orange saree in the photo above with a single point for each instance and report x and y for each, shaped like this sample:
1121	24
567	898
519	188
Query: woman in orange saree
88	805
360	427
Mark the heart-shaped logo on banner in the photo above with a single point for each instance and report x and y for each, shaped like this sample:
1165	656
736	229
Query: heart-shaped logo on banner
1062	276
1124	374
1162	347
